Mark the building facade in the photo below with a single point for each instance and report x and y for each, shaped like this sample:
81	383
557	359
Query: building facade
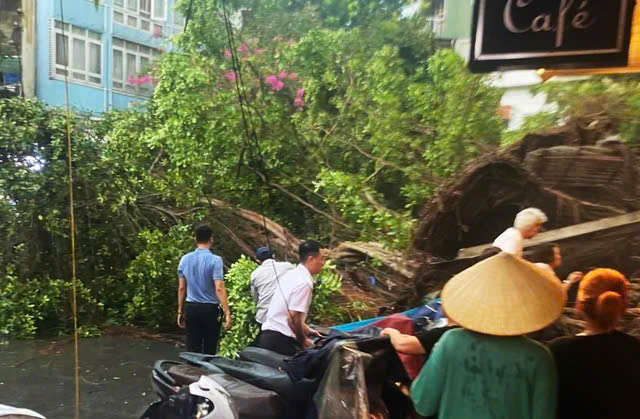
105	51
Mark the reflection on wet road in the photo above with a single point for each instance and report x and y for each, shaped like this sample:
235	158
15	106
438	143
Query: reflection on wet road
114	376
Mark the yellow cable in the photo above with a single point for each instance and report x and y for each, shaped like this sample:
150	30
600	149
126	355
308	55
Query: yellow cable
74	280
72	218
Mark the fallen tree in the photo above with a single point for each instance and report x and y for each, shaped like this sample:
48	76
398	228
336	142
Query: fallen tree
570	184
585	180
249	230
612	242
568	173
576	174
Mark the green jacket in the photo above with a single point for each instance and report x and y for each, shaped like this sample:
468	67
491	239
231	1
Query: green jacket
471	375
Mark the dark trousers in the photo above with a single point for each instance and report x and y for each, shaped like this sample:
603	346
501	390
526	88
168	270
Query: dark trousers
277	342
203	327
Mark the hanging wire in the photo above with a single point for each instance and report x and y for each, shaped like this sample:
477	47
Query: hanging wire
250	133
251	137
257	164
188	17
72	218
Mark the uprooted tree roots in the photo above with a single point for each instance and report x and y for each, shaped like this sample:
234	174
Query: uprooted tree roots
574	173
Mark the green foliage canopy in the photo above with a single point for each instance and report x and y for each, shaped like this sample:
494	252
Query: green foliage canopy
357	120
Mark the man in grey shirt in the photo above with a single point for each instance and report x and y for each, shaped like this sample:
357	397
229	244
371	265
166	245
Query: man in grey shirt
264	280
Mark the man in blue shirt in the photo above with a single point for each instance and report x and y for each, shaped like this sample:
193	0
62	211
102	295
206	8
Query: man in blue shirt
201	281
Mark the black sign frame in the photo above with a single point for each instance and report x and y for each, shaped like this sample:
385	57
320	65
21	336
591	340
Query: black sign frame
490	53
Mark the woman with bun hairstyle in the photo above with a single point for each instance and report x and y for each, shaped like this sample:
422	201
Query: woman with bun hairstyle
598	369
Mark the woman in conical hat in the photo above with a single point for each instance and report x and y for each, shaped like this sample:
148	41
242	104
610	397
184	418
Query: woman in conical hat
598	369
487	369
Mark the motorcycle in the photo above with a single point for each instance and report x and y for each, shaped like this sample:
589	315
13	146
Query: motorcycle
205	399
253	390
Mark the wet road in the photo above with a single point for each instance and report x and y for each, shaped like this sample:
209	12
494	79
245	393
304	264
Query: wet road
114	376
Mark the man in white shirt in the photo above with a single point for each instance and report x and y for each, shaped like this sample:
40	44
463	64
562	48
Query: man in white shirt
525	226
285	330
265	279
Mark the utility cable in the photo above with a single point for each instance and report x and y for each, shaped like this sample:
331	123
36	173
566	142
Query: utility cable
74	281
250	135
188	17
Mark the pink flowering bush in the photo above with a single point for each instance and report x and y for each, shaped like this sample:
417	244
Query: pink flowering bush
298	102
266	59
272	80
138	81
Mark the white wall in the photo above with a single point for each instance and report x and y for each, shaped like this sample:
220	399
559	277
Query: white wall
518	96
523	103
463	48
516	86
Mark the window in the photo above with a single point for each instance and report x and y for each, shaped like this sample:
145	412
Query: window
437	16
178	18
140	14
130	61
159	9
78	48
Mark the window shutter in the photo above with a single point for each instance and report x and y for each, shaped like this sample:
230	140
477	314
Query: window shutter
52	48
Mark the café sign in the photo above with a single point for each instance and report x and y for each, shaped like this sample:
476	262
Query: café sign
511	34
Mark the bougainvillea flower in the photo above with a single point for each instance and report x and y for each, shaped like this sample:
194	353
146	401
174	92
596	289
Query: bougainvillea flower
300	93
272	80
227	53
144	79
298	102
283	75
278	86
230	75
137	81
243	48
259	51
293	76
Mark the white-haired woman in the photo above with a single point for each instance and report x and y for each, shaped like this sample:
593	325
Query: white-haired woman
526	225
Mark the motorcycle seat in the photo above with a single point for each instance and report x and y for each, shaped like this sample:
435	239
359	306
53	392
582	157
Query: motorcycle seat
259	375
263	356
184	374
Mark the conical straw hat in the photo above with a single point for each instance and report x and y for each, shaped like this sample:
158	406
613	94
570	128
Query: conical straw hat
503	296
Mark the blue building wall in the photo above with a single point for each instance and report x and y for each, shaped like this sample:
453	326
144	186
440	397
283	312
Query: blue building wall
84	13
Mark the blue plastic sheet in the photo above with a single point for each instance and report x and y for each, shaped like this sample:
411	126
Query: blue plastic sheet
431	310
